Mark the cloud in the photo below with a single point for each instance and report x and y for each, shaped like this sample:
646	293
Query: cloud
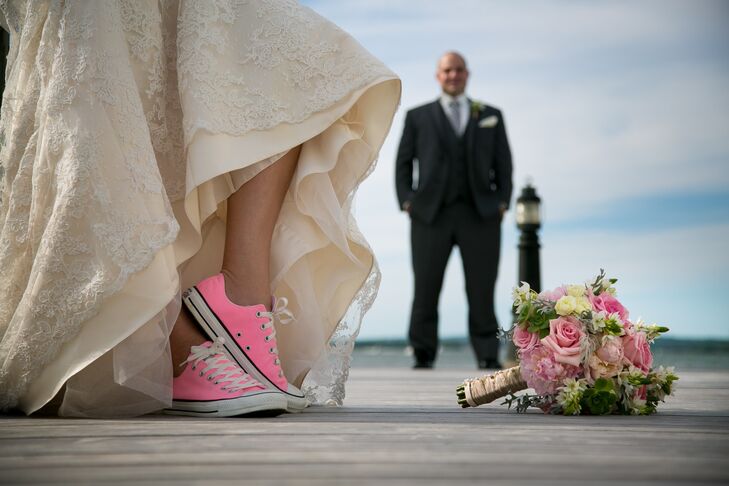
585	147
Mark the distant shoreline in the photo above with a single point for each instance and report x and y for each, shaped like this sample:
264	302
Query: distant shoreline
664	342
683	354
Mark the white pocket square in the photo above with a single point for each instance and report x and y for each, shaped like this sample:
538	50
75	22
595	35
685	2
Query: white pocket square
489	122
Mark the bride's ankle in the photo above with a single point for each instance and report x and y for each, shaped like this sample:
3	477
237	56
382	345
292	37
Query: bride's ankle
185	334
243	292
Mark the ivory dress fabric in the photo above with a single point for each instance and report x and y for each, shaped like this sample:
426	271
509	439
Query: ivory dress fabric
125	126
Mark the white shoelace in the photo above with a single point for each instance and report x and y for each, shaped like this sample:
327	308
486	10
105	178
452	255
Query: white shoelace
222	370
282	314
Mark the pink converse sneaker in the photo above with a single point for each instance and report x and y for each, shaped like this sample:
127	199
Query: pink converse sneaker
248	332
214	386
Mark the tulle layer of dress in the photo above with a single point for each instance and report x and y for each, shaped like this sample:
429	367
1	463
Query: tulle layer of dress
126	125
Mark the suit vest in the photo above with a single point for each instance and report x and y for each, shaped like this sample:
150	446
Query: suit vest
457	187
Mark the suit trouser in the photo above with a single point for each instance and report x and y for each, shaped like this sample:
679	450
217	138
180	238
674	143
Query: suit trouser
479	242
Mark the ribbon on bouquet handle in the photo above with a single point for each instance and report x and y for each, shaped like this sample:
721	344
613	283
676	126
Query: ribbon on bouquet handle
479	391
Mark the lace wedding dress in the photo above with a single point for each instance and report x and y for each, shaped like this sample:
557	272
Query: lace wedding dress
125	126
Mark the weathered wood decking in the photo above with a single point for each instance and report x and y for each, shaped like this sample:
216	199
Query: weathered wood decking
398	427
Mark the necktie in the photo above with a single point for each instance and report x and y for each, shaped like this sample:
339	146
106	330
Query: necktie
455	116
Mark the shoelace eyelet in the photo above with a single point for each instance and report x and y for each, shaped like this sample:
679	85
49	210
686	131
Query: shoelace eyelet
248	348
201	373
238	334
258	314
263	327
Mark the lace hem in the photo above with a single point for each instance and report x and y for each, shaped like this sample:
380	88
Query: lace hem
325	383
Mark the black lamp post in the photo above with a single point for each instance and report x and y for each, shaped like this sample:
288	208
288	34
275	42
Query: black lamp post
528	220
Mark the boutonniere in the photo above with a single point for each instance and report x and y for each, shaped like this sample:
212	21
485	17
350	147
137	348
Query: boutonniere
476	108
489	122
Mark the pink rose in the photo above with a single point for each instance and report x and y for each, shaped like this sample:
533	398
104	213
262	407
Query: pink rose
606	362
597	368
541	372
638	350
611	351
606	302
553	295
565	336
524	339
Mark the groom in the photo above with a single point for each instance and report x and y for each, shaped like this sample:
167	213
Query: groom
459	196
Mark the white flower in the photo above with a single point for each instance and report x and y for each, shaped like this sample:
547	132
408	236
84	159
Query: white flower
489	122
607	286
661	376
598	321
636	406
570	394
573	386
521	293
610	324
662	373
565	305
582	304
576	290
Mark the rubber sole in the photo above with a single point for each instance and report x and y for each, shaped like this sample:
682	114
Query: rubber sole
208	320
268	403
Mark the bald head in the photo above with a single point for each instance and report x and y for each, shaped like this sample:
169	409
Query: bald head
451	73
454	54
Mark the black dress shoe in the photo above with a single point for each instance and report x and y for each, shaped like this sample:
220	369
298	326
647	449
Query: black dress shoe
423	365
489	364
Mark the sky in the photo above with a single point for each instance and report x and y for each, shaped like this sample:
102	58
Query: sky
617	112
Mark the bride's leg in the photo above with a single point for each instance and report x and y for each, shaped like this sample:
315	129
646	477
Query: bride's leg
252	213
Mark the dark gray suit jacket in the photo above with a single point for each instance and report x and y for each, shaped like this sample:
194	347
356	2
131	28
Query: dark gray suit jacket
424	141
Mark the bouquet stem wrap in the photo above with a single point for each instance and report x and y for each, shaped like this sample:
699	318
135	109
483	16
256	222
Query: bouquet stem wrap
478	391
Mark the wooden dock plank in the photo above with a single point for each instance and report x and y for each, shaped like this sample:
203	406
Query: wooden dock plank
399	426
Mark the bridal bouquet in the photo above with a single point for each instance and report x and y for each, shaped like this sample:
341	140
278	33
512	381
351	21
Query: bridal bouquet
580	352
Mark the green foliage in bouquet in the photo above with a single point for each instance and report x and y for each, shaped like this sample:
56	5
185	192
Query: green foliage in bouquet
601	398
654	387
536	313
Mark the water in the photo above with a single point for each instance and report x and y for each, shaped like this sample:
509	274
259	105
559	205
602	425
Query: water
683	354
